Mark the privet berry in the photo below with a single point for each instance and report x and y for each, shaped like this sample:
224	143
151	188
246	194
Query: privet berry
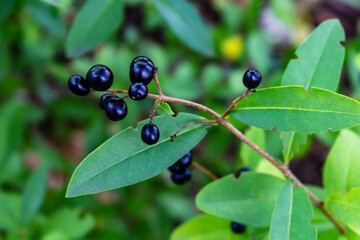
237	227
100	77
138	91
181	178
142	70
182	164
150	134
78	85
104	98
252	78
115	108
241	170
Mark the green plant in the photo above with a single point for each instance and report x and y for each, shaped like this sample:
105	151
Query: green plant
256	199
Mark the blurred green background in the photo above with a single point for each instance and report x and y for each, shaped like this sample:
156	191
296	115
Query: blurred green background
43	124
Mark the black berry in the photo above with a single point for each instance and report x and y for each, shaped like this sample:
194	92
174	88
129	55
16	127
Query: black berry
181	178
100	77
115	108
142	69
237	227
241	170
138	91
252	78
104	98
182	164
150	134
78	85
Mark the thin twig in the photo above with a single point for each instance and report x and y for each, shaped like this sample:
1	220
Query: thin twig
158	84
153	111
233	104
199	121
204	170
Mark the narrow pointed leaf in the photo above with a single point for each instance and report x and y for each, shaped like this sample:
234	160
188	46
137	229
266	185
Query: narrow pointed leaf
33	195
292	215
347	208
249	200
187	25
164	108
342	166
94	23
320	59
293	108
124	159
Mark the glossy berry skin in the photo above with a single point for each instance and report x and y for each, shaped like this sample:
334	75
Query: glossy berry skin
150	134
78	85
138	91
182	164
241	170
100	77
142	69
181	178
104	98
237	227
252	78
115	108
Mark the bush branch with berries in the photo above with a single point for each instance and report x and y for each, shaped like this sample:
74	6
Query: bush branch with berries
244	197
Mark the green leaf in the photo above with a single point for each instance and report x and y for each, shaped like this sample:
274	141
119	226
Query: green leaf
320	58
95	22
293	108
292	142
69	223
124	159
187	25
248	156
346	208
325	228
342	166
204	227
292	215
33	195
164	108
9	211
11	129
232	198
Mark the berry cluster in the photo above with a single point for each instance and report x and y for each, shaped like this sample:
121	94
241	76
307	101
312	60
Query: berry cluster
101	78
180	173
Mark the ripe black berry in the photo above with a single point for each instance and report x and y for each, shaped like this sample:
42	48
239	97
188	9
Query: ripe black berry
181	178
78	85
182	164
115	108
150	134
252	78
142	69
138	91
237	227
104	98
100	77
241	170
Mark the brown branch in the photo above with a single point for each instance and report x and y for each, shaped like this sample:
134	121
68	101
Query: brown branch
153	111
233	104
158	84
204	170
